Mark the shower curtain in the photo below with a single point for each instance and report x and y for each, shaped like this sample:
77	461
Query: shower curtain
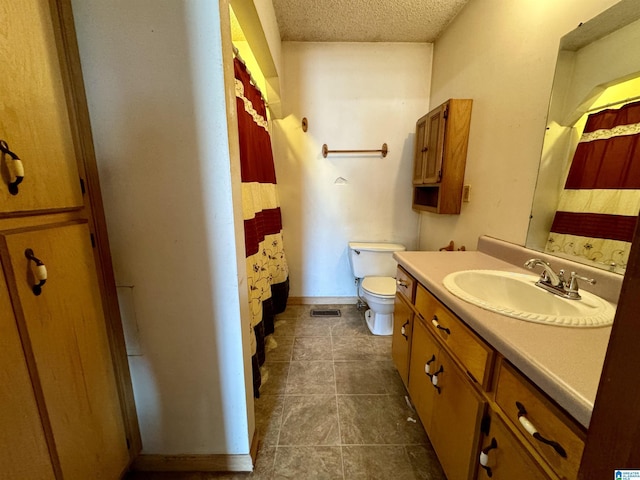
598	207
267	271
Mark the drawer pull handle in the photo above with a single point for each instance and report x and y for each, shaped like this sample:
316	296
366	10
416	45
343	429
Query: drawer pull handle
427	366
18	168
402	283
40	272
434	320
484	457
533	431
434	378
403	330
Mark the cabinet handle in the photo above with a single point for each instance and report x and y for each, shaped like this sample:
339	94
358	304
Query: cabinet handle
484	457
18	167
427	366
533	431
403	331
402	283
40	272
434	378
434	320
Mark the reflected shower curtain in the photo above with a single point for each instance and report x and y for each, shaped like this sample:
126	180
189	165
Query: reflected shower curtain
598	207
267	271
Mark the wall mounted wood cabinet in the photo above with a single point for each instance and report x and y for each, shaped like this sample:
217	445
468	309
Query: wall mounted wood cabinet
440	157
477	409
66	398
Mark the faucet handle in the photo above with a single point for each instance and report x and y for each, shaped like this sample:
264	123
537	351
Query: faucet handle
572	292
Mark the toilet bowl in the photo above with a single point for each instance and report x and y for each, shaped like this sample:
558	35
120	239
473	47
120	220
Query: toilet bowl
373	267
379	293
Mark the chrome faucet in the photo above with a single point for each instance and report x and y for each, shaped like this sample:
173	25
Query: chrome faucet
555	282
548	276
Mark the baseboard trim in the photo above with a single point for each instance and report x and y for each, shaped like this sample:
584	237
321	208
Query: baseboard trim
322	300
193	463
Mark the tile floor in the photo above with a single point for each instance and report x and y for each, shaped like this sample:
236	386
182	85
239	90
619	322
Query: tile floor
332	406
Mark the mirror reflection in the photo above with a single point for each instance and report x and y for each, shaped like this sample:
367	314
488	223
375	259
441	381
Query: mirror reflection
588	191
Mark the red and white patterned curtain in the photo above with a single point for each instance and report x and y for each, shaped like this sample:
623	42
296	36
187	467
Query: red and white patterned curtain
267	271
598	207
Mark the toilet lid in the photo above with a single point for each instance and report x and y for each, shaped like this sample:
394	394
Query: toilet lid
380	285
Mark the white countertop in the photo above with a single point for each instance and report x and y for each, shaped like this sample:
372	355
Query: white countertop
564	362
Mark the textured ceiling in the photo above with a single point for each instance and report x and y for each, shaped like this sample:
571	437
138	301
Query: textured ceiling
364	20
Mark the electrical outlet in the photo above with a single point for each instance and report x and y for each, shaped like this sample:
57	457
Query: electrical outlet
466	193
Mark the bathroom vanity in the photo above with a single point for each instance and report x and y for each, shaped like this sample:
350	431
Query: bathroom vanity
499	397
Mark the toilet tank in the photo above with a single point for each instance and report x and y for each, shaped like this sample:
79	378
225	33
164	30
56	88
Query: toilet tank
373	259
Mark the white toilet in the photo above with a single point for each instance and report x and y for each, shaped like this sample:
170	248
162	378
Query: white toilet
374	268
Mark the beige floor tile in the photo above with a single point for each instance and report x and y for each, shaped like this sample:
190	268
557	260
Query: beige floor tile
317	463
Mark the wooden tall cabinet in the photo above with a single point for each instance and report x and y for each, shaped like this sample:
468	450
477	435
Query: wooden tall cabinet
440	156
66	398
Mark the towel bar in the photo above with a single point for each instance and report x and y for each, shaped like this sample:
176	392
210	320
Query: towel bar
326	151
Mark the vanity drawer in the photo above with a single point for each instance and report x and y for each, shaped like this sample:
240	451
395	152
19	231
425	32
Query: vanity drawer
405	284
516	395
472	352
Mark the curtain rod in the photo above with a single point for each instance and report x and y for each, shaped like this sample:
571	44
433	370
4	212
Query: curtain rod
236	53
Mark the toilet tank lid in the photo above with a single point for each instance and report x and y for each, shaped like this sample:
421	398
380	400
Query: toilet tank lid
377	247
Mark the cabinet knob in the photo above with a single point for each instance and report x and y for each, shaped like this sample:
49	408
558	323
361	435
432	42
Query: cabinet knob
402	283
39	272
533	431
484	457
17	167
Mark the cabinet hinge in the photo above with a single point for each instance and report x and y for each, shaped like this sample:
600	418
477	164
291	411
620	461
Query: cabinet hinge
82	186
485	425
93	240
445	113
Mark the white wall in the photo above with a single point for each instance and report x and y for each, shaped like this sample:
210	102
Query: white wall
355	96
155	85
502	54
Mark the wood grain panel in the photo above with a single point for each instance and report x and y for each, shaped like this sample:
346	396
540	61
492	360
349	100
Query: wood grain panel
24	452
401	340
33	112
67	333
551	423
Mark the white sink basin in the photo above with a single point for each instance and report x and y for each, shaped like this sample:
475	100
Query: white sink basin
517	296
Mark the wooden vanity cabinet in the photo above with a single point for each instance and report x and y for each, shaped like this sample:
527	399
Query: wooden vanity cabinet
559	440
477	397
440	156
403	323
505	458
448	405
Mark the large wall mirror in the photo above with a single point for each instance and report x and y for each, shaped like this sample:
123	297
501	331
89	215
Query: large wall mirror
587	195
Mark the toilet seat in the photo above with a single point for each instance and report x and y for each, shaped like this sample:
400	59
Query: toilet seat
380	286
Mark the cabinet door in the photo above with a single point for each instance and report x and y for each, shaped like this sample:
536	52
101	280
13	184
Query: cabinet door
420	151
505	458
434	145
401	340
34	120
424	358
455	425
67	334
24	452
